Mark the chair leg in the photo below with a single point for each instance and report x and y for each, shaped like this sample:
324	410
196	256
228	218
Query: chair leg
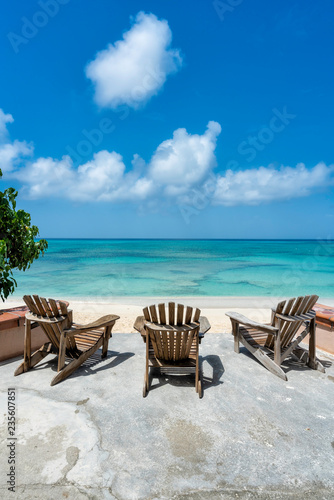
35	358
277	347
147	369
146	381
313	362
197	371
27	345
236	334
199	387
106	337
61	355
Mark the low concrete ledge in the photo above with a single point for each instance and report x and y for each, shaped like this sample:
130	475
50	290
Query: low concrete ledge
12	333
325	316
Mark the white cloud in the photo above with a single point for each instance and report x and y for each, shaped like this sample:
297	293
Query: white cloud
184	160
47	177
176	165
264	185
134	69
11	153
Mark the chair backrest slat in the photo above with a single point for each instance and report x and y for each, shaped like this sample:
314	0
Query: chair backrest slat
164	344
162	314
63	308
146	314
171	311
180	309
288	305
39	306
154	315
54	308
172	344
46	306
197	315
280	306
189	312
177	346
190	342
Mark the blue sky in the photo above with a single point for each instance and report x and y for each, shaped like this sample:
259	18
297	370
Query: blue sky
167	119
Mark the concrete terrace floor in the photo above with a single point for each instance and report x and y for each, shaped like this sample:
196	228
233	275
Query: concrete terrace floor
252	436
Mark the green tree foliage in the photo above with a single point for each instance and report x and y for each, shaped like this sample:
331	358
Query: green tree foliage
18	248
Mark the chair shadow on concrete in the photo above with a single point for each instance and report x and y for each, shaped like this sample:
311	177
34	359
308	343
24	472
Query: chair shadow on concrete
292	363
188	380
217	371
112	360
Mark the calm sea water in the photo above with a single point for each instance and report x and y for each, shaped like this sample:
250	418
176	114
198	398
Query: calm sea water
106	268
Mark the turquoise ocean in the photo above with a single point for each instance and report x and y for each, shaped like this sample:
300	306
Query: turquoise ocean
85	268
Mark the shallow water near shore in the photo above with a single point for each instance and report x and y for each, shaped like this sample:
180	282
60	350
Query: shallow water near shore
114	268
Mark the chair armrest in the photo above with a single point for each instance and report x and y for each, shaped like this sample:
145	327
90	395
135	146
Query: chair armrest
40	319
139	324
99	323
240	318
204	325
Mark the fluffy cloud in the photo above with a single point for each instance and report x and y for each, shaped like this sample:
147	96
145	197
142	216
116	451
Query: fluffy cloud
263	185
90	182
47	177
134	69
177	165
11	153
184	160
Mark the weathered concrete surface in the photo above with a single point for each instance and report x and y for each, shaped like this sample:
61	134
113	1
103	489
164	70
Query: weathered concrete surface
252	436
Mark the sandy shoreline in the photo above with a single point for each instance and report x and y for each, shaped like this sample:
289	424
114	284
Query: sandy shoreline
128	308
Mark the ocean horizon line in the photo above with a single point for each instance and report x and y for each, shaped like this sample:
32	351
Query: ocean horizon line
185	239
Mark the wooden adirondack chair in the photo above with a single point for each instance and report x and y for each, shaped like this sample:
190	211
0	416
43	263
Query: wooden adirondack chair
76	342
272	344
172	341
